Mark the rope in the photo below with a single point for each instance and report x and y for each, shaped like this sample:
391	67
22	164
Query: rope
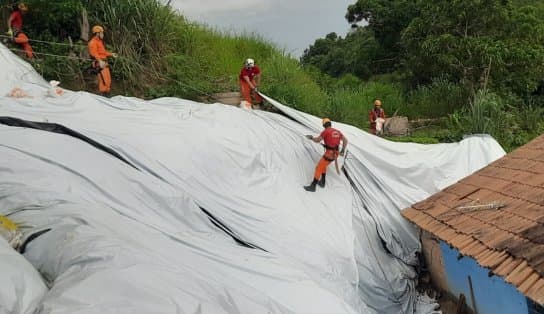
52	55
88	59
48	42
189	86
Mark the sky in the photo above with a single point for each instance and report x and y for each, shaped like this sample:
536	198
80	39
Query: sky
292	25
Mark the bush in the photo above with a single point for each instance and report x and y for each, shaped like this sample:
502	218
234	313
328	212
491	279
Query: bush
348	81
488	113
438	99
54	19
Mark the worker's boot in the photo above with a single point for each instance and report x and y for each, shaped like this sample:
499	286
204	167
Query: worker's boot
322	181
311	187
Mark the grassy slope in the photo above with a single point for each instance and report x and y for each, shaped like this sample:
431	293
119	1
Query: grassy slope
163	54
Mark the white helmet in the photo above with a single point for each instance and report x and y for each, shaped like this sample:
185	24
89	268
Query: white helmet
250	62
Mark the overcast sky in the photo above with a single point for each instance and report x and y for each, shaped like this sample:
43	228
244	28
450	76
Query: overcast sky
290	24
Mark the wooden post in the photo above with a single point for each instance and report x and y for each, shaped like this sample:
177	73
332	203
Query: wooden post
84	25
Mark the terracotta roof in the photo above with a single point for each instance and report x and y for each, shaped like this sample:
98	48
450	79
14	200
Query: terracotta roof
508	235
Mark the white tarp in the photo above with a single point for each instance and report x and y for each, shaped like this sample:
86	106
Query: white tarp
129	211
21	287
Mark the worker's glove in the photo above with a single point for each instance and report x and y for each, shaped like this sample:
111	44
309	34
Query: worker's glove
102	64
9	32
310	137
114	55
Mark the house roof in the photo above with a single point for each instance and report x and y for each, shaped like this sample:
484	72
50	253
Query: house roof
496	216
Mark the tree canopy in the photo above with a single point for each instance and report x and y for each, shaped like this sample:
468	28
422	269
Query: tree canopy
496	43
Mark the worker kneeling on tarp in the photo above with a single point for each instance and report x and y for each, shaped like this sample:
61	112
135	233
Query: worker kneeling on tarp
331	138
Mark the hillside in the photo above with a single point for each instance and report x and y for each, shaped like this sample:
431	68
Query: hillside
164	54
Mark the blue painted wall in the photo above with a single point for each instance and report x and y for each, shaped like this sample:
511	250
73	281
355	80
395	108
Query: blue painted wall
492	294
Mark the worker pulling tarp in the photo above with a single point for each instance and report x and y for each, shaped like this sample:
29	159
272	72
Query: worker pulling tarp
331	138
137	236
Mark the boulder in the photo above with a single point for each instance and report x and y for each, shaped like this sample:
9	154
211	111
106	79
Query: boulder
396	126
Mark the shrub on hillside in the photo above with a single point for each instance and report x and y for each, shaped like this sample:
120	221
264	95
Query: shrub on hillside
488	113
435	100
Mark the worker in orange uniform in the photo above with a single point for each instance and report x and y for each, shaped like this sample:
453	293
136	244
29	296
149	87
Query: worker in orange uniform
15	29
15	20
331	138
250	78
376	113
97	50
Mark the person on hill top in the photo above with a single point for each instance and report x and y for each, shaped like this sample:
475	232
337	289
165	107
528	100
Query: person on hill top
331	138
15	29
250	78
376	113
98	52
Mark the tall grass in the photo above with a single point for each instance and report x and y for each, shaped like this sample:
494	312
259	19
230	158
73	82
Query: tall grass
352	106
485	114
142	32
438	99
531	117
488	113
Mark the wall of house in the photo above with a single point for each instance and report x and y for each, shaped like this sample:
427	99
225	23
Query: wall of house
454	275
434	261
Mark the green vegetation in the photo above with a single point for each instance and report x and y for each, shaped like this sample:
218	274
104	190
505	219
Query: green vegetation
479	63
473	66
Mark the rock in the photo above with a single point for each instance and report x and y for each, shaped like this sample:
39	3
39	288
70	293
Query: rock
396	126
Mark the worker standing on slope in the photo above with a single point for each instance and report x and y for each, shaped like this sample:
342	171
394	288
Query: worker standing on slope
331	138
376	113
250	78
97	50
15	29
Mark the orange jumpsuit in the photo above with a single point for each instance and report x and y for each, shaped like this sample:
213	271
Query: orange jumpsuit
245	88
22	39
331	138
98	51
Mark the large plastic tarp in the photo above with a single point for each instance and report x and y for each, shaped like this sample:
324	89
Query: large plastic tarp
172	206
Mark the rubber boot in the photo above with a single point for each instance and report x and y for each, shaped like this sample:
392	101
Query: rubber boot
311	187
321	182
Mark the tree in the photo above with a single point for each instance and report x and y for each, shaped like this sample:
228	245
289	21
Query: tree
386	19
336	56
477	43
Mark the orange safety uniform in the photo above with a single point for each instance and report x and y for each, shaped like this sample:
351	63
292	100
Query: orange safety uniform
374	114
331	138
21	39
97	50
245	89
16	20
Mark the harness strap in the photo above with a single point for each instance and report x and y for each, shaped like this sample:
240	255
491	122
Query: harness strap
335	148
